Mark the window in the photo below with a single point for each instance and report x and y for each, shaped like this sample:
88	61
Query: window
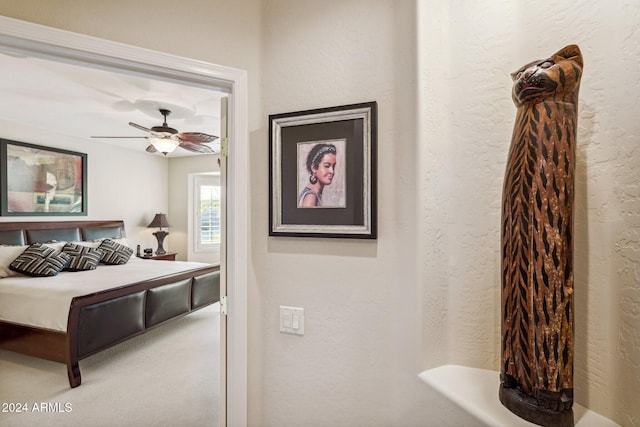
207	212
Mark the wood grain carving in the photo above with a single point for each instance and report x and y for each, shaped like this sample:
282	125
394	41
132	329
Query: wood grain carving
537	241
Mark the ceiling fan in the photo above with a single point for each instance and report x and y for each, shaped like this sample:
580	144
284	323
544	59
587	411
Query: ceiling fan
165	139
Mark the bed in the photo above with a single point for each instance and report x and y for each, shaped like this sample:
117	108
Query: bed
73	315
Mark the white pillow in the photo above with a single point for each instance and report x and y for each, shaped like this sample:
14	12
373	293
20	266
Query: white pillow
56	245
120	240
92	244
7	255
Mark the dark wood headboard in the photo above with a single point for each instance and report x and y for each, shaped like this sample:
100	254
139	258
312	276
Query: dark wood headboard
26	233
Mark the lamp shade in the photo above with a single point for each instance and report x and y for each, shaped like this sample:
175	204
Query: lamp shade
164	145
159	221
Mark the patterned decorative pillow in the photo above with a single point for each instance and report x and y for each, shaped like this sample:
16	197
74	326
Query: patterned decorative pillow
88	244
39	260
114	253
82	257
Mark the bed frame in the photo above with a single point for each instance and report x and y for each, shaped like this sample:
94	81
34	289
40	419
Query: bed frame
102	319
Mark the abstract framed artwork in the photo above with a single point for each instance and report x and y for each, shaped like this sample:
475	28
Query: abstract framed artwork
41	181
323	172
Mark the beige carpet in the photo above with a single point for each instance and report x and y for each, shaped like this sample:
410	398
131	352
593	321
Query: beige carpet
166	377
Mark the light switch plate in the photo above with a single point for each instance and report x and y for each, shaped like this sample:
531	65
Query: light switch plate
292	320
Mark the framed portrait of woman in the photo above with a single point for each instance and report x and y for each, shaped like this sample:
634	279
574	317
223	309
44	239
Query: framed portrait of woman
323	172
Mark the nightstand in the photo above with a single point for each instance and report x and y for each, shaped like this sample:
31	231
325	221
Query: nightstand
169	256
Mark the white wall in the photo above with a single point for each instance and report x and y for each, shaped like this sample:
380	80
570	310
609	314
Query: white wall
178	213
216	31
128	185
440	213
122	184
358	361
468	50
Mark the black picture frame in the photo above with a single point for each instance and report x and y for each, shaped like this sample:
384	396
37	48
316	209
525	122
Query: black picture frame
41	181
344	139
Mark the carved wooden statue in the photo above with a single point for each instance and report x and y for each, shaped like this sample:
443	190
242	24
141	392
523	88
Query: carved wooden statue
537	242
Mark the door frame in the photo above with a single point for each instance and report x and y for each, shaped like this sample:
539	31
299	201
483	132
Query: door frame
26	38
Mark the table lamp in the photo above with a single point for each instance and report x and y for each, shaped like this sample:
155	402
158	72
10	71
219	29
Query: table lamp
159	221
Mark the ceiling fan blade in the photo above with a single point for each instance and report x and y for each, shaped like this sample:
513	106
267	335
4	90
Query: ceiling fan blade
151	149
137	126
196	148
196	137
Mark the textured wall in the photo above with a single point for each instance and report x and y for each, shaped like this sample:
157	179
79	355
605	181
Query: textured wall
469	49
358	361
427	292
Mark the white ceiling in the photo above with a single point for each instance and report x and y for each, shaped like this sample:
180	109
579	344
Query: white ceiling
81	102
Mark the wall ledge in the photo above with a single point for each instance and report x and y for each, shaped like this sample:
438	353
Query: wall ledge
476	391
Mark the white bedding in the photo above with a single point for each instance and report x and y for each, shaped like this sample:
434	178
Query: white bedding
44	302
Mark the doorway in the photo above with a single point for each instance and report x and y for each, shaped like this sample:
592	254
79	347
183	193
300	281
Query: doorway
31	40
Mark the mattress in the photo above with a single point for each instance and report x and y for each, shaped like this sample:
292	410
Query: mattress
44	302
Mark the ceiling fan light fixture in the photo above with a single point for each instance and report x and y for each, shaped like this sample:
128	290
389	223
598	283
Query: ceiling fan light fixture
164	145
165	139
